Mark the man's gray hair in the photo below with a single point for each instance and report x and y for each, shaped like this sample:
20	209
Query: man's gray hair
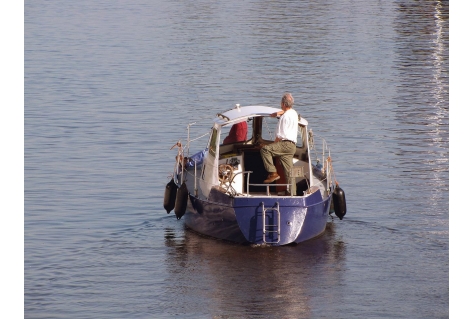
287	100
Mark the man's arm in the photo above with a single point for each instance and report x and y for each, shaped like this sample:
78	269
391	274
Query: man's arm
276	114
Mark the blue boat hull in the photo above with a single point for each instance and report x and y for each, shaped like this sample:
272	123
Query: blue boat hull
241	219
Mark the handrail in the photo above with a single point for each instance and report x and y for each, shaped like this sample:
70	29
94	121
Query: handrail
248	179
268	187
223	116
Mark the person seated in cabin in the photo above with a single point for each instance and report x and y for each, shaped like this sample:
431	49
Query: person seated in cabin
238	133
284	146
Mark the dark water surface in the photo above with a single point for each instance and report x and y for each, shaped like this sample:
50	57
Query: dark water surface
109	88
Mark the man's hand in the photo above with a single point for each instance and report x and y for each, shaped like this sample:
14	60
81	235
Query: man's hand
276	114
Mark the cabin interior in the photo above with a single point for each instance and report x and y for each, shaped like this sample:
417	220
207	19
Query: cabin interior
237	158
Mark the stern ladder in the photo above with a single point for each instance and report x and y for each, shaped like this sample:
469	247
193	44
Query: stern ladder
271	228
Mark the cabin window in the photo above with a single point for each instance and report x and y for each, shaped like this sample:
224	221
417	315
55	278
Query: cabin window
236	133
213	142
269	125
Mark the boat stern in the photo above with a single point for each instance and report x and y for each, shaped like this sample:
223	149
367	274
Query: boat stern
278	220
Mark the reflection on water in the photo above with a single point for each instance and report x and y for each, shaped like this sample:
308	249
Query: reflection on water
422	101
253	282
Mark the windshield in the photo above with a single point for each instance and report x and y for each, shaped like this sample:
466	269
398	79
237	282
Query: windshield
269	125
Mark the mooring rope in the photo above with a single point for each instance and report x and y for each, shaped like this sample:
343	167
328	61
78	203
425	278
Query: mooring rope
331	169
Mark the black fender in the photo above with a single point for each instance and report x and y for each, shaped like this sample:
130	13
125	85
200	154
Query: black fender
339	200
181	201
170	196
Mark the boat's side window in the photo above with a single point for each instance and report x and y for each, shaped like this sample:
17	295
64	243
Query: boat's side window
301	131
213	143
249	128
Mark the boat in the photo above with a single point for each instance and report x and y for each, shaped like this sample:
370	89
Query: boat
217	188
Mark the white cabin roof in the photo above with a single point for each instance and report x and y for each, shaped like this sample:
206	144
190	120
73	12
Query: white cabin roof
240	113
